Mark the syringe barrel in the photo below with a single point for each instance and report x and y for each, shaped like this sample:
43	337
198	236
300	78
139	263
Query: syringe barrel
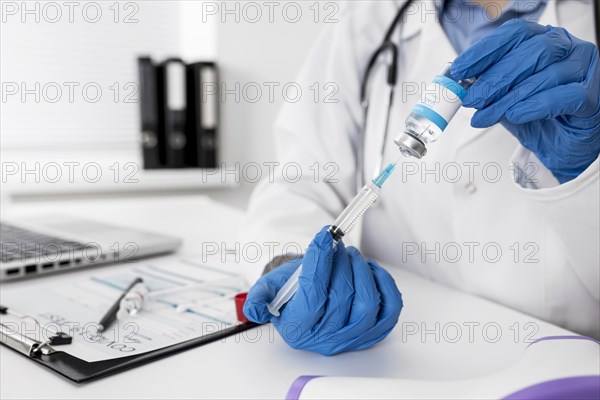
286	292
357	207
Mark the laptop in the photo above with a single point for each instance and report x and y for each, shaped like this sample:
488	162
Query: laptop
49	244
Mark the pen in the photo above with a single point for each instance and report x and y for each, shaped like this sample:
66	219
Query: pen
111	315
4	310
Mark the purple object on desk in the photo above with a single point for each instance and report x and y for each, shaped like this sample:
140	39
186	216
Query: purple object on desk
575	337
577	387
298	385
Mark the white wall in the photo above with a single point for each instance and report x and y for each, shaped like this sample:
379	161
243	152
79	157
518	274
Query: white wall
49	49
252	54
197	35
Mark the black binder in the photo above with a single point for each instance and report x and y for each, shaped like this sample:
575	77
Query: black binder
60	361
203	114
172	95
149	113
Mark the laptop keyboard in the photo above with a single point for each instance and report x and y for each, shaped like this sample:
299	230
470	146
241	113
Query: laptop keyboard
22	244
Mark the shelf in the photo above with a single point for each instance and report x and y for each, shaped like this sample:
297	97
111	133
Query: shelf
28	177
142	181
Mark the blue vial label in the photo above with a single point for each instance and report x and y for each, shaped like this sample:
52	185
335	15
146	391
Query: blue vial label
440	101
451	86
431	115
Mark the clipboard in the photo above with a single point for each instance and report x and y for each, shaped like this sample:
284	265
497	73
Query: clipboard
185	298
80	371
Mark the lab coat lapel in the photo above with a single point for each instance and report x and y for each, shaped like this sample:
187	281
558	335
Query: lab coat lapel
379	94
434	48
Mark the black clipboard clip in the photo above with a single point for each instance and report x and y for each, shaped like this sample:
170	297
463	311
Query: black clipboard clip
27	345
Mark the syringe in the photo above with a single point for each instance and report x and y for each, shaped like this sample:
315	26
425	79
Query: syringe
341	226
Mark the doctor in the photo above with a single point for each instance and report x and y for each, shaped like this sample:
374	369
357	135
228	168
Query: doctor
505	205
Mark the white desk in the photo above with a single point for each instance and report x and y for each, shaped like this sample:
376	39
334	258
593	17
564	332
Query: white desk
258	364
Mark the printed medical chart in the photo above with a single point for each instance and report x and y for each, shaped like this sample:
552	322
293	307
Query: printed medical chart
187	299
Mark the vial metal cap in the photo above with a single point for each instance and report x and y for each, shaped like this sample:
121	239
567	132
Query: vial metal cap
409	145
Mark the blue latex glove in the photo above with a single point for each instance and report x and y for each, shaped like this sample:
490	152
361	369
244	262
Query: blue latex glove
343	303
543	85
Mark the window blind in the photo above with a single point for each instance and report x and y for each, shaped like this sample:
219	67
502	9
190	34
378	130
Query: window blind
69	70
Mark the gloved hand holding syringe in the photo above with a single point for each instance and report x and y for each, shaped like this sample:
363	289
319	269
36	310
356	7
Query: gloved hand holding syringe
341	226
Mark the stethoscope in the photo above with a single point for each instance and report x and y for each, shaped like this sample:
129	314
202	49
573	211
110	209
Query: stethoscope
388	49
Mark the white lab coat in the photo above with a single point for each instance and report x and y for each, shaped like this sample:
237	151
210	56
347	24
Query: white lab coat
548	234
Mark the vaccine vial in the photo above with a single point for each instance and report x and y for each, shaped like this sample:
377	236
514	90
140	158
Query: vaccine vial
430	116
133	302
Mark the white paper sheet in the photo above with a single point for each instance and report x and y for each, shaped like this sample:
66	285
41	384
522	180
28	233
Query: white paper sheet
187	300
